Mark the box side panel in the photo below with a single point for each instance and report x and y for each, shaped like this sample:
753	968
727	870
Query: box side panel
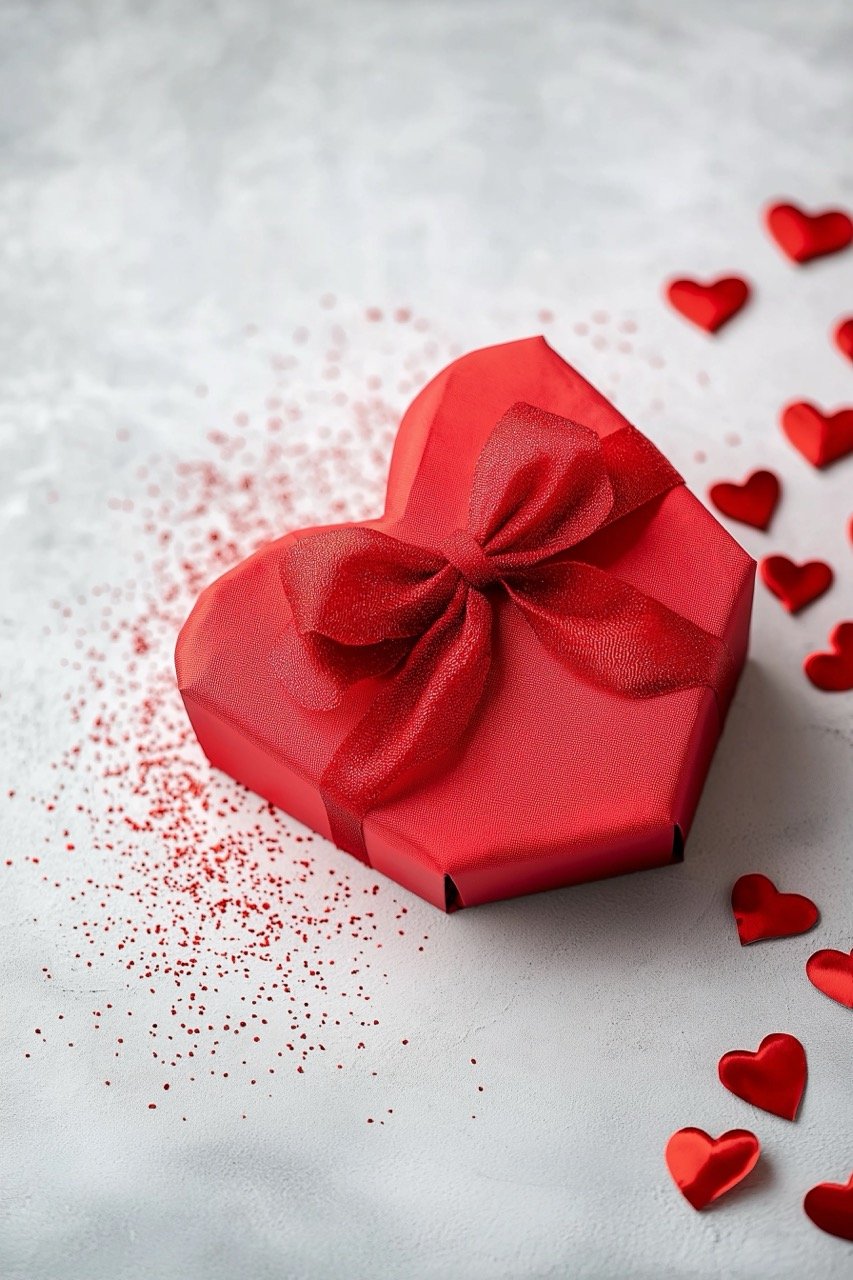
251	764
707	731
248	762
641	852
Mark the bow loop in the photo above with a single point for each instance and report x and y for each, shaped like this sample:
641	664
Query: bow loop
359	586
540	486
359	600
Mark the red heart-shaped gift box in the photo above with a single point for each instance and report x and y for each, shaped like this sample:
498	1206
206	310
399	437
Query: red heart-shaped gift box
568	761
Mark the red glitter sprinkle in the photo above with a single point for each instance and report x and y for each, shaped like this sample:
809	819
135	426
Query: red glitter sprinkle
251	928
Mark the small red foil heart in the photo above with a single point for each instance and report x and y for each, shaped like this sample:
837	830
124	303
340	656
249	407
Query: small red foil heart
833	672
843	335
822	438
796	585
803	236
830	1207
752	502
708	305
704	1168
832	973
772	1078
761	911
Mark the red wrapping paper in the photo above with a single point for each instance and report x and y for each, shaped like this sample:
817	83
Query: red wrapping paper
555	780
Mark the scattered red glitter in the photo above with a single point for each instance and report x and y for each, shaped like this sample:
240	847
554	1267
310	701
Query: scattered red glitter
251	926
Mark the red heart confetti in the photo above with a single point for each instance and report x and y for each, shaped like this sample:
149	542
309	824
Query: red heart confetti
762	912
704	1168
832	973
796	585
843	335
752	502
708	305
833	672
822	438
772	1078
830	1207
803	236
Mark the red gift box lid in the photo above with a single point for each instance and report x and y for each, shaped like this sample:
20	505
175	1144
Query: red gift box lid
556	780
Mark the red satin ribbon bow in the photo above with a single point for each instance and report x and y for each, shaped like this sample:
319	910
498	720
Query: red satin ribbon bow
367	605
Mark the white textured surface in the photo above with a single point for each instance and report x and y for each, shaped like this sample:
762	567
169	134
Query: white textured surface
170	173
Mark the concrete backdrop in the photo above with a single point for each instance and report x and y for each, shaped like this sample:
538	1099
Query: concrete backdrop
185	188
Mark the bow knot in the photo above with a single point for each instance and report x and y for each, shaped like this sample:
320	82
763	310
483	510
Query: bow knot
466	554
366	606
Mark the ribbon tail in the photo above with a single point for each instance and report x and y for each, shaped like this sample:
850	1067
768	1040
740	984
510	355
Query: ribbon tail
421	712
613	635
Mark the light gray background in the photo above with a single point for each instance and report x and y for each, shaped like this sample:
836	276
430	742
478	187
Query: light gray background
174	172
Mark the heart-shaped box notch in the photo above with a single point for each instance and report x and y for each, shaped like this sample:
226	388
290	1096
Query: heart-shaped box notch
515	678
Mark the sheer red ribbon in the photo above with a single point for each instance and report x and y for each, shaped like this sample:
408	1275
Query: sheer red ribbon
418	620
